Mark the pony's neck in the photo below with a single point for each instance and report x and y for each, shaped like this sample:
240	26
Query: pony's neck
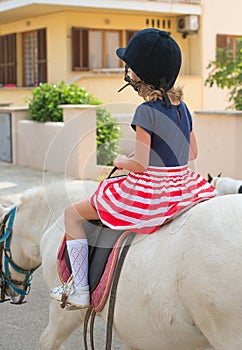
38	210
32	219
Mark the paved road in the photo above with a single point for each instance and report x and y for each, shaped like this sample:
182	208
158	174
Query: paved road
22	325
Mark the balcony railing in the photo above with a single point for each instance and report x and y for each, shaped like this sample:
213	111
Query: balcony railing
188	1
197	2
178	1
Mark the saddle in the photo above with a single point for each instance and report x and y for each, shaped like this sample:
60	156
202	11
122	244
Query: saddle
104	246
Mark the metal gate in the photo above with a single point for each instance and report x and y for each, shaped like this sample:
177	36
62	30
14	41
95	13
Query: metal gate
5	137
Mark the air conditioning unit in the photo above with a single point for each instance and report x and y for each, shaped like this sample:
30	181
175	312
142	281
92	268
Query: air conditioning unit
187	24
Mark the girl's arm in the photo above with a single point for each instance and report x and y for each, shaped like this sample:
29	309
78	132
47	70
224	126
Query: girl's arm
139	161
193	146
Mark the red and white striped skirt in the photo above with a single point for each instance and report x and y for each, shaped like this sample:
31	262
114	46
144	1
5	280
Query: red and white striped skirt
142	202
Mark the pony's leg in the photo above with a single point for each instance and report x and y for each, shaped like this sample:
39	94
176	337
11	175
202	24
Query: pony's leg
61	325
226	335
229	344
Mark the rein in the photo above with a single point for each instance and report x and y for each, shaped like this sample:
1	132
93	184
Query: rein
22	288
91	312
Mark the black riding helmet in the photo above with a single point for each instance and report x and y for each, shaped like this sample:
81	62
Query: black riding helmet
154	56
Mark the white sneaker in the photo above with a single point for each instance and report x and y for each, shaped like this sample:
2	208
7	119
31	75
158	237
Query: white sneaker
80	298
77	299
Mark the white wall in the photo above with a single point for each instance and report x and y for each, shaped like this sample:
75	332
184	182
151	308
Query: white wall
219	143
70	147
219	17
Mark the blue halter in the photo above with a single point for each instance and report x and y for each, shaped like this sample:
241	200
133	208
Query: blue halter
6	256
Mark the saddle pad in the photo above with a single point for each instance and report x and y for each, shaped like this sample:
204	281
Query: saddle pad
101	240
100	294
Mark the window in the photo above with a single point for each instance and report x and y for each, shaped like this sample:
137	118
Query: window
35	57
229	42
93	49
8	59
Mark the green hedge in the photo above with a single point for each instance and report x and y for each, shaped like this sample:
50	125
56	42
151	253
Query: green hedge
226	72
44	104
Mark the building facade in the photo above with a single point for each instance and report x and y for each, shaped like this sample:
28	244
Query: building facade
53	41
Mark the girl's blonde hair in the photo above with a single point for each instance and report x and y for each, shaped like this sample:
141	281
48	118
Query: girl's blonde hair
149	93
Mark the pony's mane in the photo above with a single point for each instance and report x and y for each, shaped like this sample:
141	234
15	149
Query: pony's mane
5	206
55	196
47	203
6	202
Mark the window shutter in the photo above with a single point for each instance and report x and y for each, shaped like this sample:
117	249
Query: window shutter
221	45
221	41
2	60
79	49
42	56
8	74
129	34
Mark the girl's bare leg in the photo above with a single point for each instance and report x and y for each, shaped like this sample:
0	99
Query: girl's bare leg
77	247
75	215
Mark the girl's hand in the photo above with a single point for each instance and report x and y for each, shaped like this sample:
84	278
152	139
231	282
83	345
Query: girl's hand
118	162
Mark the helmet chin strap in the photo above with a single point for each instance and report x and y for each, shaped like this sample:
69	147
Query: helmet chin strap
129	80
123	87
165	98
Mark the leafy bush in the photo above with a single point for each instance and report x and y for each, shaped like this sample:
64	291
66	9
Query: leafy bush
226	72
108	134
43	107
47	97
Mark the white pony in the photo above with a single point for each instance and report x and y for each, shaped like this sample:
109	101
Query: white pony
225	185
180	287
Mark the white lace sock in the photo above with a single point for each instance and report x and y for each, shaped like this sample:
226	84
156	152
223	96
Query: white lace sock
78	254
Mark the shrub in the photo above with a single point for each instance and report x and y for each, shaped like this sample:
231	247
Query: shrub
43	107
47	97
226	72
108	134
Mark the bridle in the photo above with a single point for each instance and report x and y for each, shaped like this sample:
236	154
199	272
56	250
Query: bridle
22	288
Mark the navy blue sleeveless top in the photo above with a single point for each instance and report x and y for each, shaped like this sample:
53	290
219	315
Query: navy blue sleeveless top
169	129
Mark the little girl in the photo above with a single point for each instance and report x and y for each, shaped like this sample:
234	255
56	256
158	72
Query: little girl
159	185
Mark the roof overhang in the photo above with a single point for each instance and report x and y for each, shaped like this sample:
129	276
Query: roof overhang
15	10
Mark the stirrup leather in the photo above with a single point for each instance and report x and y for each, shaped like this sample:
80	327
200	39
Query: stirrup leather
67	290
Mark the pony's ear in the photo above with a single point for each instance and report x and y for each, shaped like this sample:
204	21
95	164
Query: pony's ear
209	178
219	174
5	206
2	211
